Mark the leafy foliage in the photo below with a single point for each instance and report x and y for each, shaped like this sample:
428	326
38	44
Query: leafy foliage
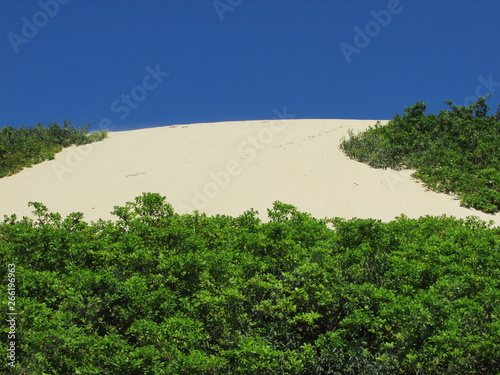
456	151
161	293
23	147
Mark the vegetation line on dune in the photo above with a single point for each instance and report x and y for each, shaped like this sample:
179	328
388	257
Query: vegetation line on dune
23	147
456	151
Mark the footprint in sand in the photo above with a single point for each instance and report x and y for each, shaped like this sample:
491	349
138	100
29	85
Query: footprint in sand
134	174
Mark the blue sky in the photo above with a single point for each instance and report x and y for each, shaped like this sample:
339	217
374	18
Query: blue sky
127	64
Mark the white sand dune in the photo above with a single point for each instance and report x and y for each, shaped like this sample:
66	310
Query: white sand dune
226	168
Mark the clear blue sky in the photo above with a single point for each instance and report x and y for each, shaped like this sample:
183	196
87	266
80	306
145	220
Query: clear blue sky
92	60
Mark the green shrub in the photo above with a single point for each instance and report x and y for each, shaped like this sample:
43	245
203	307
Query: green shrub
23	147
162	293
456	151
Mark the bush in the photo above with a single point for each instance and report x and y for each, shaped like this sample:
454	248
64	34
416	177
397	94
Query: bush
23	147
456	151
162	293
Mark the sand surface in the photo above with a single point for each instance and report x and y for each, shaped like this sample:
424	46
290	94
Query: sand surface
226	168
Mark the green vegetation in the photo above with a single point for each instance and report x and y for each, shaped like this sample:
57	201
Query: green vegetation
162	293
23	147
456	151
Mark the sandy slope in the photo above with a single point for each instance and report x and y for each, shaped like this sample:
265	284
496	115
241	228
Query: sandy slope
225	168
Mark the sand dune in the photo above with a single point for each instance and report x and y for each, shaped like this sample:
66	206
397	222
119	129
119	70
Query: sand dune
226	168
